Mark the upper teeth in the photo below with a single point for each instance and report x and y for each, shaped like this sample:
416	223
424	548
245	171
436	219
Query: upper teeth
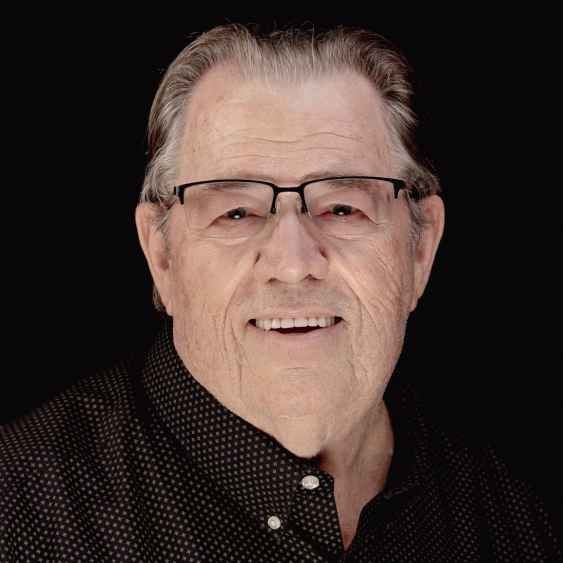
268	324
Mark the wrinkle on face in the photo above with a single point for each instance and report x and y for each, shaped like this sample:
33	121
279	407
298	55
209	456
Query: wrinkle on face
244	139
268	159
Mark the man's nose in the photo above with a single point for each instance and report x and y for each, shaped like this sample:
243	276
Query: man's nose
292	249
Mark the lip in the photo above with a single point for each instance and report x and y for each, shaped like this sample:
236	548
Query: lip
321	336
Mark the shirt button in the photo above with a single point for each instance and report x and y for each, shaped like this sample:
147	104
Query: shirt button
274	522
310	482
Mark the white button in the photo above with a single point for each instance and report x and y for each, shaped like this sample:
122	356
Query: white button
310	482
274	522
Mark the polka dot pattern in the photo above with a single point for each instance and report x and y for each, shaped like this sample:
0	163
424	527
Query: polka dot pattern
141	463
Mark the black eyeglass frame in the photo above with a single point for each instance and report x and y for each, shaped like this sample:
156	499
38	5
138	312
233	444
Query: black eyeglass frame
397	186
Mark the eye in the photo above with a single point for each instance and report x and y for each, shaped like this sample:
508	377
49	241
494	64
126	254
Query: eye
236	214
342	210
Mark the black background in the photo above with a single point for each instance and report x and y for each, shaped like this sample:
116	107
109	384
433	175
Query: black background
483	342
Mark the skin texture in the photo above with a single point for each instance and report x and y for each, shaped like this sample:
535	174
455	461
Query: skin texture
323	400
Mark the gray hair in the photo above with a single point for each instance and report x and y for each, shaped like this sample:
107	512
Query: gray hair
289	55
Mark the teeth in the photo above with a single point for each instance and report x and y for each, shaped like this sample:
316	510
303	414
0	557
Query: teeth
269	324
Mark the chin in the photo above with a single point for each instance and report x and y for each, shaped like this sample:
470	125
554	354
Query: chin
300	435
306	451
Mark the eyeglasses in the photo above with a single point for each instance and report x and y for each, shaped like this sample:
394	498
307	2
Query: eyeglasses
340	206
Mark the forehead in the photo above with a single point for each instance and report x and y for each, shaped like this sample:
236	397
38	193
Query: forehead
281	131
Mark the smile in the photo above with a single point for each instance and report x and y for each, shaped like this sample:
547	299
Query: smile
298	325
299	335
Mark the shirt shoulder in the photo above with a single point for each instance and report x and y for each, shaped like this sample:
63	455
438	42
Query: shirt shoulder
74	423
486	492
456	453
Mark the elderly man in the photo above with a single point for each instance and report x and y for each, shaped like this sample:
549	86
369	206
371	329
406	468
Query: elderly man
290	229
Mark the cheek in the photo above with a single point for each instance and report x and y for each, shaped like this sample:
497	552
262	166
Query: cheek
201	293
379	275
379	280
206	278
388	279
195	300
186	281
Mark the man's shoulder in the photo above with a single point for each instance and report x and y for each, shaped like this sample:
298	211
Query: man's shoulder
72	423
468	456
479	480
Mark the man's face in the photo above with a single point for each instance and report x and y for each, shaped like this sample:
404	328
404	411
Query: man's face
303	389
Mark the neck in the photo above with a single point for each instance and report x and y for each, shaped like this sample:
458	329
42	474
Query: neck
362	452
359	464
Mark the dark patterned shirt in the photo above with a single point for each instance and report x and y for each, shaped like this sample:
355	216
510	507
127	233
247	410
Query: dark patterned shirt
141	463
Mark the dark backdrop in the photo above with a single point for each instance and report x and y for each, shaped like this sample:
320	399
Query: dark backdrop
482	344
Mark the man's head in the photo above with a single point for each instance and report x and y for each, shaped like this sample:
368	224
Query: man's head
283	108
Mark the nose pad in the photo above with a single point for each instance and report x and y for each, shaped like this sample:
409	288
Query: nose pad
277	204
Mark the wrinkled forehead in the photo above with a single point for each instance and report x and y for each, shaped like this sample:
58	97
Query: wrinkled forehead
271	126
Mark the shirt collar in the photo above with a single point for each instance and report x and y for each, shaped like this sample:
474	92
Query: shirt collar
410	466
255	470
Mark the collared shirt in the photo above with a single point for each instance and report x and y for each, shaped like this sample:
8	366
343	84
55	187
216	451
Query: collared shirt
141	463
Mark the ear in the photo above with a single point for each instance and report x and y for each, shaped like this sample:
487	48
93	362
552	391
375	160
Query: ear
433	208
155	251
